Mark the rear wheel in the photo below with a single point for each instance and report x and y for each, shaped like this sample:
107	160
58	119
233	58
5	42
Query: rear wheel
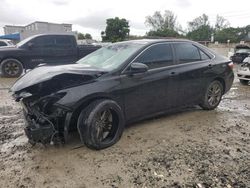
212	96
244	82
11	68
101	124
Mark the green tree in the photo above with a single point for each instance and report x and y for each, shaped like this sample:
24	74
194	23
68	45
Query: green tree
200	29
244	32
198	22
88	36
116	30
221	23
158	21
163	25
232	34
203	33
80	36
163	33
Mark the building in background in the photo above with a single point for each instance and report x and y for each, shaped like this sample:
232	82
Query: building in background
37	28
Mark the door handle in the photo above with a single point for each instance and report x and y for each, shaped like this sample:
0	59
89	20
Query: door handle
210	65
172	73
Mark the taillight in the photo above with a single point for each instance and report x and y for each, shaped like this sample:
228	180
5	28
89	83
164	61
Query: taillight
231	65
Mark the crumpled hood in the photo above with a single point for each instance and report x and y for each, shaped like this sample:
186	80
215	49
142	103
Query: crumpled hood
45	73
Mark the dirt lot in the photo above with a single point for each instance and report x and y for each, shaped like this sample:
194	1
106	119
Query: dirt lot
188	148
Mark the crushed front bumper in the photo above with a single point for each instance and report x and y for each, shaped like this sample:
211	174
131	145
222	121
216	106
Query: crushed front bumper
39	129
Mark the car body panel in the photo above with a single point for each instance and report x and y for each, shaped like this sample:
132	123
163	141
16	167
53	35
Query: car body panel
68	89
241	52
243	71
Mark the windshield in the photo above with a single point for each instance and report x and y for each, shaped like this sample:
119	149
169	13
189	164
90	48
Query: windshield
242	50
24	41
112	56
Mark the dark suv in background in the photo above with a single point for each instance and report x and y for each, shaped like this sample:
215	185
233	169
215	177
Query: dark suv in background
118	84
41	49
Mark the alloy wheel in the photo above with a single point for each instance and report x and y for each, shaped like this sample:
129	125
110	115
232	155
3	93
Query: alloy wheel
214	94
105	124
11	68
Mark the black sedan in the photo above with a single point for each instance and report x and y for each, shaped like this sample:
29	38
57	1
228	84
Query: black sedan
118	84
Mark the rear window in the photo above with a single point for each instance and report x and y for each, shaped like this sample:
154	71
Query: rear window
187	52
62	41
204	56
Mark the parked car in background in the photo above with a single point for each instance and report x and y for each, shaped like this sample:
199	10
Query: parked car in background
118	84
5	42
243	71
41	49
241	52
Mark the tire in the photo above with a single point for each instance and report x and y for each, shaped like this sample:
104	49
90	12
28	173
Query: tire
212	95
11	68
244	82
100	116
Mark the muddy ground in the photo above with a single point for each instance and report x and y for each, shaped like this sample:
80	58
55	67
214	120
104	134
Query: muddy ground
188	148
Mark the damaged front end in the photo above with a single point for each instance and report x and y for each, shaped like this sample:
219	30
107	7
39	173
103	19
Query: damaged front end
243	71
40	90
44	119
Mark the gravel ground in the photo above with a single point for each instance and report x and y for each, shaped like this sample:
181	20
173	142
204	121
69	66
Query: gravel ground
188	148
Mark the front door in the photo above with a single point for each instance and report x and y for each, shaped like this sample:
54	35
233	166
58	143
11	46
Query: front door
41	51
152	91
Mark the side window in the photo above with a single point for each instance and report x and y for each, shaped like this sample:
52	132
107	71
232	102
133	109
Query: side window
3	43
43	42
204	56
186	52
63	42
156	56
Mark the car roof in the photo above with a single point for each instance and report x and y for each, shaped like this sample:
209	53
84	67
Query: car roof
153	41
50	34
54	34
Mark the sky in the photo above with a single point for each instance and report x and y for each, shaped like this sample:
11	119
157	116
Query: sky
89	16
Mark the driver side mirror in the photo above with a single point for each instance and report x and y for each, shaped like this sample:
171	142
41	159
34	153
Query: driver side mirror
137	68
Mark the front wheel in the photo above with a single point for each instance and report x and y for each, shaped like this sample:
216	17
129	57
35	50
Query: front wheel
212	96
11	68
101	124
244	82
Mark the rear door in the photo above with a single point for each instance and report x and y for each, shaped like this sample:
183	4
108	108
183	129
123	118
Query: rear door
153	91
65	50
193	66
